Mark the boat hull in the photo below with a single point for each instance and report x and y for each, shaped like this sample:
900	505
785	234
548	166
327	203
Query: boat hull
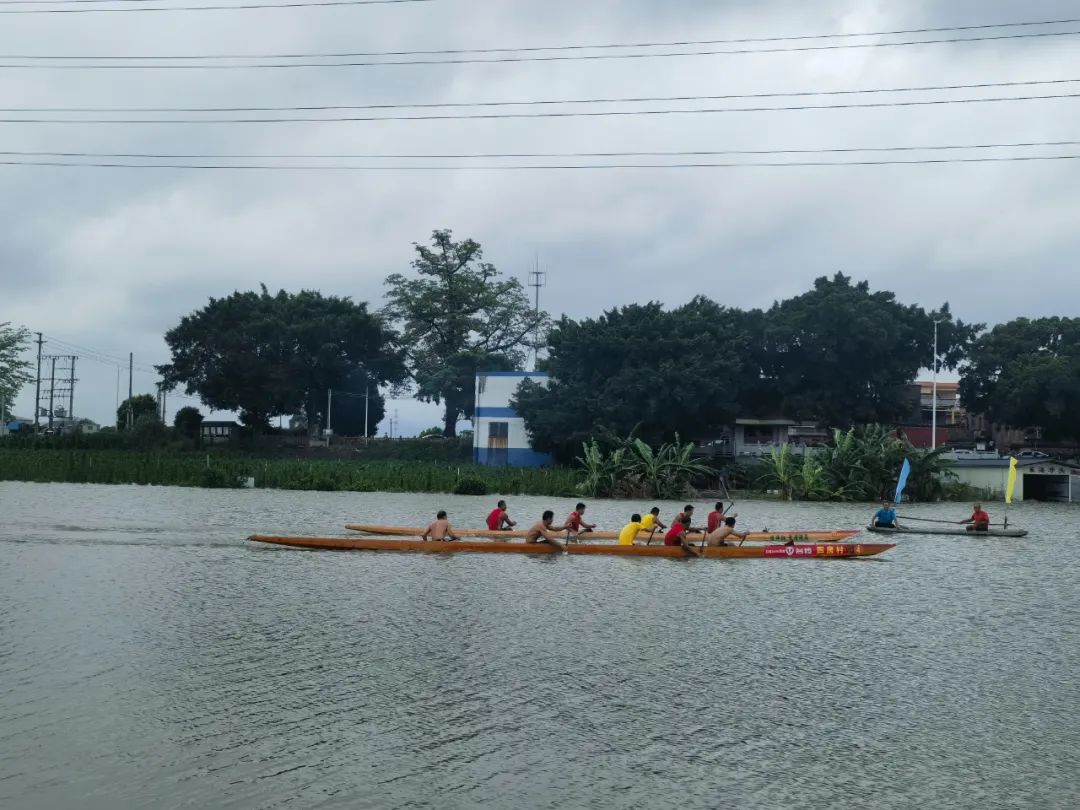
950	531
798	551
776	537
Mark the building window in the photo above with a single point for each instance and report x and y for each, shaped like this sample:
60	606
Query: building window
498	443
758	434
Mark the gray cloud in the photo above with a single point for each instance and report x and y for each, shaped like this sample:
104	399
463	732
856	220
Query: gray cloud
111	259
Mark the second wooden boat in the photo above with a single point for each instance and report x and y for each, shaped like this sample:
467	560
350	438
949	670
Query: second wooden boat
769	537
951	531
820	551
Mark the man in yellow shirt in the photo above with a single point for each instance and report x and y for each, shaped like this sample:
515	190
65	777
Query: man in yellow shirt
652	522
630	531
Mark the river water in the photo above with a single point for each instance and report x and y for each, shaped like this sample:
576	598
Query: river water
151	657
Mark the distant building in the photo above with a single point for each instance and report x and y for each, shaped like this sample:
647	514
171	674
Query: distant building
218	432
758	437
499	435
1037	479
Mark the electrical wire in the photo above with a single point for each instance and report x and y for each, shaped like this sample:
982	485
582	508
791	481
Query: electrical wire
601	46
238	7
520	155
560	167
548	102
560	114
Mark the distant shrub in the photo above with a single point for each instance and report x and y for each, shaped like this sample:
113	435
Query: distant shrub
470	486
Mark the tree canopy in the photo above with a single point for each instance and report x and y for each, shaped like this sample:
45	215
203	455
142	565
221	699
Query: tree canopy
268	355
1026	373
458	316
841	354
14	369
641	369
188	421
143	408
347	416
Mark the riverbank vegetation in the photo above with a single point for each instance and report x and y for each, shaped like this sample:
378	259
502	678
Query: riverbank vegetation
632	469
233	470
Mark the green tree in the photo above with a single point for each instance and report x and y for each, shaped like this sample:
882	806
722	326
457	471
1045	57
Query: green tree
14	369
268	355
431	431
1026	373
841	354
347	418
459	316
187	421
641	370
141	405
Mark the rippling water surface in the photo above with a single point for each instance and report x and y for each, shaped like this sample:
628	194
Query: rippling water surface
151	657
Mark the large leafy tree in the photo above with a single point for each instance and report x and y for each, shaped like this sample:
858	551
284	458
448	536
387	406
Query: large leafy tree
14	368
188	421
641	369
459	315
347	417
266	355
841	354
143	407
1026	373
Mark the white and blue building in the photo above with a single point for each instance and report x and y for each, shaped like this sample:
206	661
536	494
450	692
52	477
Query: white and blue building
499	435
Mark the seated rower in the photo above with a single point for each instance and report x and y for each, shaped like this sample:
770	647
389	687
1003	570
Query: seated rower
440	529
885	517
498	519
575	524
979	520
718	536
680	528
544	532
717	517
651	522
629	532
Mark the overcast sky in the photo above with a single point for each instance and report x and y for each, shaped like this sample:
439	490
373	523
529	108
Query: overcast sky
108	259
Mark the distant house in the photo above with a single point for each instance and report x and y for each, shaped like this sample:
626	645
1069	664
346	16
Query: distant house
218	432
759	437
1037	479
499	435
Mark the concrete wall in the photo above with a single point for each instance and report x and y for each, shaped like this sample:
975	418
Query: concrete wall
993	479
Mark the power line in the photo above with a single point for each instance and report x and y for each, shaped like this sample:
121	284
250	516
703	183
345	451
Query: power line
243	7
601	46
546	102
759	164
502	59
520	155
559	114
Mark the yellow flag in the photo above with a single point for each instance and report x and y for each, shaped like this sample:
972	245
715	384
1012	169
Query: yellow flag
1012	480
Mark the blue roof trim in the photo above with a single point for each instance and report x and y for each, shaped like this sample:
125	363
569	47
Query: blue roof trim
495	413
510	374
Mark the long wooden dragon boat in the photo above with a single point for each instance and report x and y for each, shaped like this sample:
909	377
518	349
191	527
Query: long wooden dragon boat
950	530
767	536
800	551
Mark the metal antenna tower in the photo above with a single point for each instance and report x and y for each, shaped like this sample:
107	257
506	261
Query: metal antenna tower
537	279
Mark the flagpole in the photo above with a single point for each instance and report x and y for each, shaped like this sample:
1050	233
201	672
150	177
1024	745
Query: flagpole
933	397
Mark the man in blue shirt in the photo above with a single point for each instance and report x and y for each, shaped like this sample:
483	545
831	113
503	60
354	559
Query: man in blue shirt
885	517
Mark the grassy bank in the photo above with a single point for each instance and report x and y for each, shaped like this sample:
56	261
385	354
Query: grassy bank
216	470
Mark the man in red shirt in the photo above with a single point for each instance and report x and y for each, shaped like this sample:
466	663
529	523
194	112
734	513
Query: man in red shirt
575	523
498	519
716	518
979	520
680	528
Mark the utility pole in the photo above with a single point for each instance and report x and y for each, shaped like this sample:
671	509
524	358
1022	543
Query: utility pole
71	394
37	389
933	397
329	392
367	396
52	387
131	375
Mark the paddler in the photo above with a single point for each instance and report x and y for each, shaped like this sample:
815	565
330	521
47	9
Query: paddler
651	523
440	529
979	520
575	524
498	519
885	517
544	532
719	535
629	532
680	528
716	518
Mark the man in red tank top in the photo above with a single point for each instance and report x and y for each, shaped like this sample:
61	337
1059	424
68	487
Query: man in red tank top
498	519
